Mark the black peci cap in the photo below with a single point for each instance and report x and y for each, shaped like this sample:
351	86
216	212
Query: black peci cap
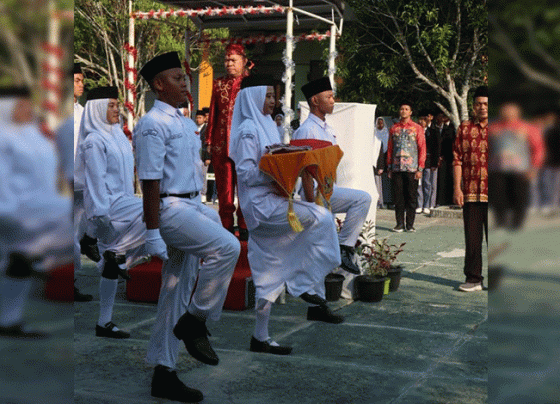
407	102
103	92
159	64
316	87
77	69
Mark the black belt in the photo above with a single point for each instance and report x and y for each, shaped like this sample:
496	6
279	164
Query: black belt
189	195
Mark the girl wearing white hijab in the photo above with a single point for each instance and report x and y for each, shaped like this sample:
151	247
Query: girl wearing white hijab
35	220
278	256
112	210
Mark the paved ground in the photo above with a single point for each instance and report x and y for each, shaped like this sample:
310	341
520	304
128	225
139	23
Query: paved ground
426	343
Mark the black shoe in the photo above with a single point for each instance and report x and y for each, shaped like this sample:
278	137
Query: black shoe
166	384
88	247
18	331
107	331
346	254
265	347
194	334
114	260
313	299
323	313
81	297
399	228
243	234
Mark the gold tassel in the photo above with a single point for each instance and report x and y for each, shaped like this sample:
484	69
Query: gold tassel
319	198
295	224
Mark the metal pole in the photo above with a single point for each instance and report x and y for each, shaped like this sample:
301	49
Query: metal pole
332	52
129	93
289	54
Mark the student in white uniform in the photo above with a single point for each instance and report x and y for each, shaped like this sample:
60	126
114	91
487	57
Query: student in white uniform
110	205
83	243
35	221
169	166
278	256
355	203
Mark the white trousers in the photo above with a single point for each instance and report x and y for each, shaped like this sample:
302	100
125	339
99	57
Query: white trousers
192	231
355	203
41	228
79	227
127	217
279	256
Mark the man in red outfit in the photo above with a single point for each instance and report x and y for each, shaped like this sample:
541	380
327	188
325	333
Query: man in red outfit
224	92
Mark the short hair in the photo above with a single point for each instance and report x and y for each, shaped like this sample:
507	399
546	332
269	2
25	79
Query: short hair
481	91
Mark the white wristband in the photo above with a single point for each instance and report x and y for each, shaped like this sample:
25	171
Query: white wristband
152	234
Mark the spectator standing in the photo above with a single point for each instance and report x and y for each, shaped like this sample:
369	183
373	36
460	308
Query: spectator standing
470	186
382	134
406	155
427	188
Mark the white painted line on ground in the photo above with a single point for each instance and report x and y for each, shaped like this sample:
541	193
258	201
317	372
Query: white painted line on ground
116	398
455	253
390	327
428	373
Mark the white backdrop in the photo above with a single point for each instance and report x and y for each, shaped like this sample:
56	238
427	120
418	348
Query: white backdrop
354	126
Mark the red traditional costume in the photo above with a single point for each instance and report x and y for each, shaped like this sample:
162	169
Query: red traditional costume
224	92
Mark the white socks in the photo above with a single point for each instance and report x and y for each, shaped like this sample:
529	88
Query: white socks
262	310
13	296
107	293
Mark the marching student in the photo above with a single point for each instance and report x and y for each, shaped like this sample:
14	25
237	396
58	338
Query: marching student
192	292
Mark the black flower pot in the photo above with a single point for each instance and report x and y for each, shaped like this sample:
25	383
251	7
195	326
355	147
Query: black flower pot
333	287
394	274
369	288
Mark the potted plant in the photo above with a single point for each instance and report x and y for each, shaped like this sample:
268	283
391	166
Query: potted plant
333	286
376	260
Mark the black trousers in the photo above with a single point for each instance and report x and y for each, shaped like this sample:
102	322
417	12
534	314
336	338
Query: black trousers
509	198
475	218
405	197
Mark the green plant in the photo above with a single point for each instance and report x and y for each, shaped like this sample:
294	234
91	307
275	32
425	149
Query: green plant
376	257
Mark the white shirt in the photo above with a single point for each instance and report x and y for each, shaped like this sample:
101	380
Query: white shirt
168	149
78	111
109	170
315	128
64	144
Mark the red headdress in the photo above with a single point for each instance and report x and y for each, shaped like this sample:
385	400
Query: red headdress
235	49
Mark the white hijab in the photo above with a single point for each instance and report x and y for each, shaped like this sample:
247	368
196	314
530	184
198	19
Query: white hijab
382	134
94	119
248	117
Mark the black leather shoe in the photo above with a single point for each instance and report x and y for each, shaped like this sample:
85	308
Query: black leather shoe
113	259
346	254
313	299
194	334
265	347
18	331
323	313
88	247
107	331
166	384
243	234
81	297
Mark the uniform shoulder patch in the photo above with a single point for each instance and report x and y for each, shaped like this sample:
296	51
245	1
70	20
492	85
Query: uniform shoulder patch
150	132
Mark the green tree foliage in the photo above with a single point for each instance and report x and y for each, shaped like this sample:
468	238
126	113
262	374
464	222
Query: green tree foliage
24	31
426	50
524	52
101	32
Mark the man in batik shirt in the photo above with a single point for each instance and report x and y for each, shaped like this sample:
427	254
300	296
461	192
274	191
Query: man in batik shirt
406	155
470	186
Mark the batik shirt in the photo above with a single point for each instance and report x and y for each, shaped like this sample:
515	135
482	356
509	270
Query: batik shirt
406	150
516	147
470	151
